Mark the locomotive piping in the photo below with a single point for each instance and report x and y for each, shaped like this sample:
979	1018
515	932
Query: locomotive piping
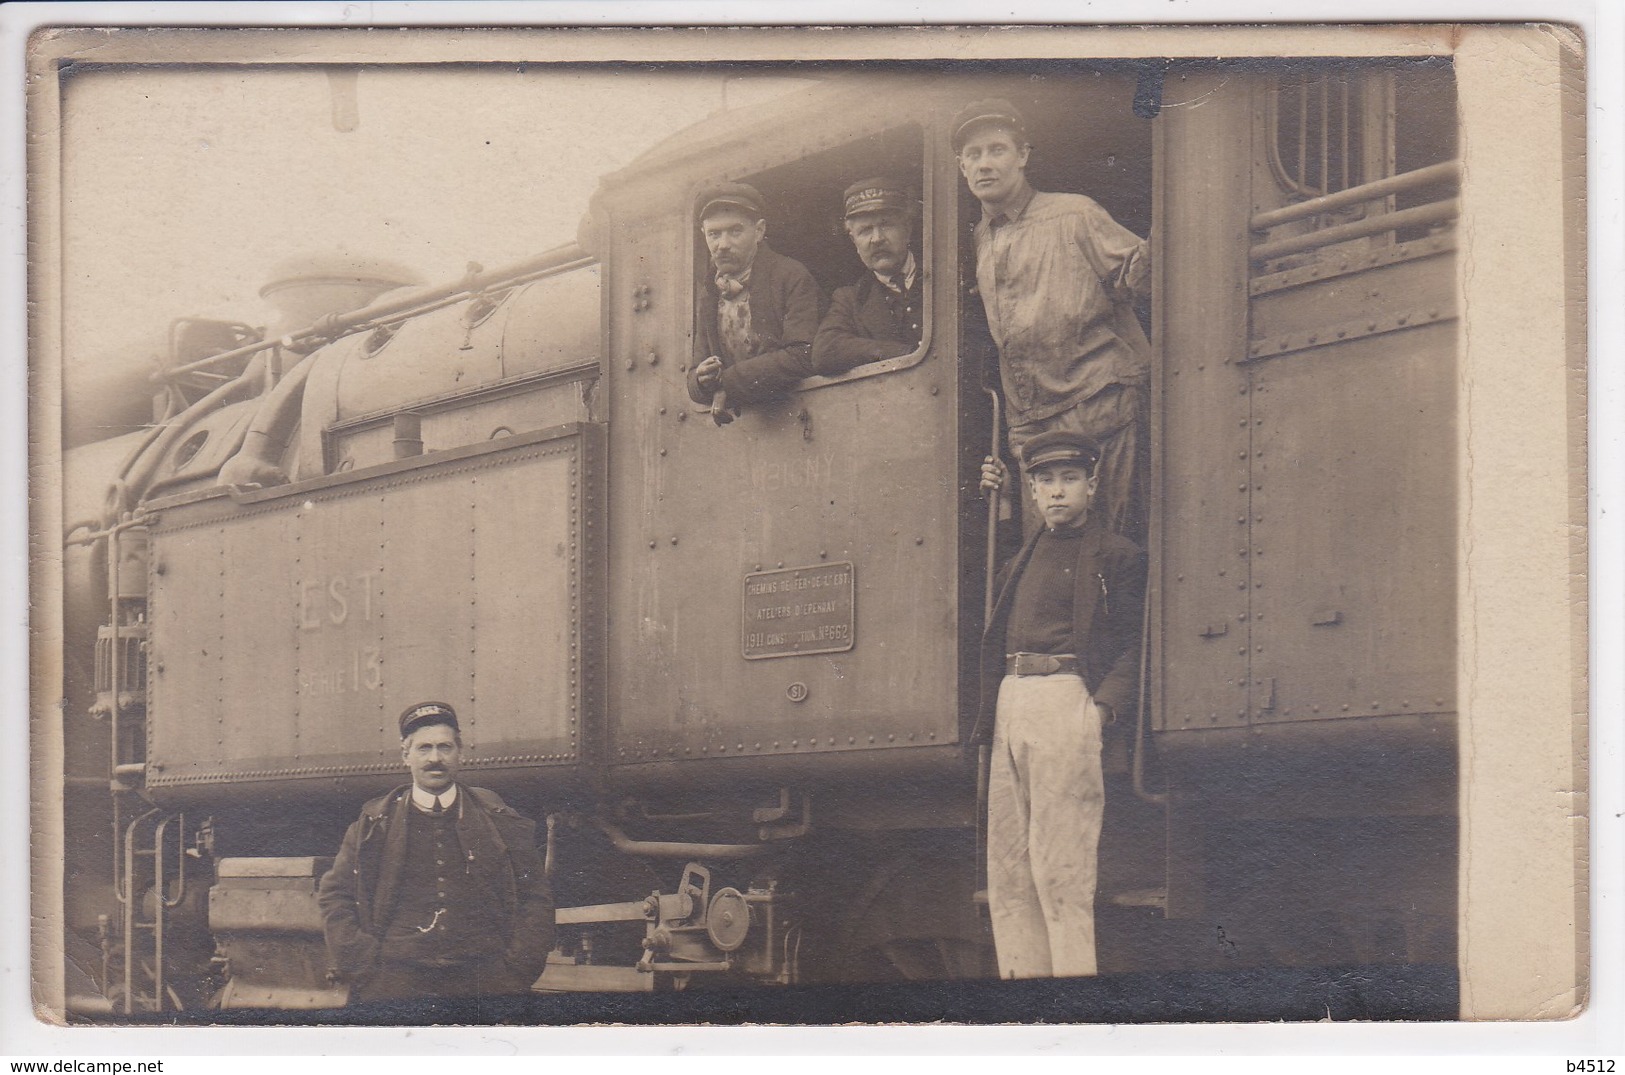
674	848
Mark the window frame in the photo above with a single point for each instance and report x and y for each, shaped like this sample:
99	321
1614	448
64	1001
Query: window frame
925	259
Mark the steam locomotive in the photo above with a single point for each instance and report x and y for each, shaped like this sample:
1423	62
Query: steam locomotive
733	668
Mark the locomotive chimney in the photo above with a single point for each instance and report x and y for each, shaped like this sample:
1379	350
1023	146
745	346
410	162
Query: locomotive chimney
307	287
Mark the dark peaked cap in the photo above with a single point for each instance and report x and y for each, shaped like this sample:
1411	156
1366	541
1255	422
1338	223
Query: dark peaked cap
739	195
1059	446
995	110
426	713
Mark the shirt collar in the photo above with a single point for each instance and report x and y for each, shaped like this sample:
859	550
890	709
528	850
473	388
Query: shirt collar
424	800
909	269
1013	213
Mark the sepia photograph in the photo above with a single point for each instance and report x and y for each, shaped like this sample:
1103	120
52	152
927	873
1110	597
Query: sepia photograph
546	526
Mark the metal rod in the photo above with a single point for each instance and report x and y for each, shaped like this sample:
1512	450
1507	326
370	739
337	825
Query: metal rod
1345	133
1432	213
559	259
1365	192
1140	740
673	848
601	912
1303	133
1325	135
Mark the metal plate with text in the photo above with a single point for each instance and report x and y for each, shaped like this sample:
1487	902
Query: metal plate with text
798	610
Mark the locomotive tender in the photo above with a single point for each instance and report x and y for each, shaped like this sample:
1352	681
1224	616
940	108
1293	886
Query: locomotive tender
734	667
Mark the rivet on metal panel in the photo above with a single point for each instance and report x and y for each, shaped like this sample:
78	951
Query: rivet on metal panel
919	541
823	554
652	544
935	390
1316	708
1438	701
795	742
674	539
662	451
1376	705
1244	390
1345	707
1258	649
1241	520
851	739
1241	618
630	365
1404	705
654	358
781	563
1221	574
891	738
775	744
1241	455
662	410
1241	585
871	739
682	416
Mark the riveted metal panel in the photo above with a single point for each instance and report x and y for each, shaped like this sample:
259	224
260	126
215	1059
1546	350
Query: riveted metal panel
1202	646
518	518
697	508
349	599
1353	539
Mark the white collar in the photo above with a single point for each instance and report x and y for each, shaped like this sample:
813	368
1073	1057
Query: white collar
909	269
425	800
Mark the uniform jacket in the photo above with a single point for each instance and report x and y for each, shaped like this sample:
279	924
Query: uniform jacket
358	894
862	326
783	315
1107	610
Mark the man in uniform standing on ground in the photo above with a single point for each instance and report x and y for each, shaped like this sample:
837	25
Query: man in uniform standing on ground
438	890
1058	278
1060	659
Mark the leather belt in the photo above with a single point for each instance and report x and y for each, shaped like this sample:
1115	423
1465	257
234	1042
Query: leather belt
1042	664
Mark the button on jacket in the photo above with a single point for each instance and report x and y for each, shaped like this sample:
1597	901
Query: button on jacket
359	895
1058	278
868	322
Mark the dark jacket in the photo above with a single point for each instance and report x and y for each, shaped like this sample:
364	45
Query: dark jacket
357	896
784	317
1105	622
865	323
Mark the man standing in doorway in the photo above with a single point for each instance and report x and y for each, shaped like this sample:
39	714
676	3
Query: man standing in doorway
1060	660
1058	278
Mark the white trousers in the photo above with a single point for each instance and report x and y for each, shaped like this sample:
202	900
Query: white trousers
1045	805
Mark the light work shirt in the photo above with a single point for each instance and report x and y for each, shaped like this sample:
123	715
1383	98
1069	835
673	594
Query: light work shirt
1058	277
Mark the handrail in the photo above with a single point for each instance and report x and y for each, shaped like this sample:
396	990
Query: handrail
1365	192
559	259
1431	213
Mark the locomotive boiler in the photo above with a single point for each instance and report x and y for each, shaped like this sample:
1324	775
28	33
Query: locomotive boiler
733	668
